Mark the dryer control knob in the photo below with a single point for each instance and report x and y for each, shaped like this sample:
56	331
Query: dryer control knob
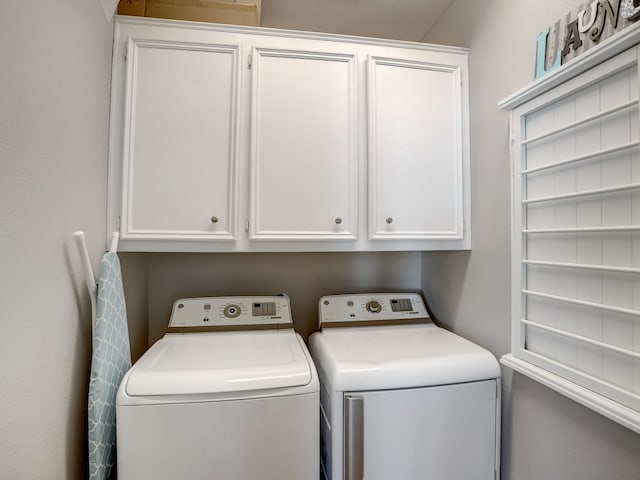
374	307
232	311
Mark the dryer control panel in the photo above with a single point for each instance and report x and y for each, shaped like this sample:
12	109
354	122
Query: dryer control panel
216	312
374	308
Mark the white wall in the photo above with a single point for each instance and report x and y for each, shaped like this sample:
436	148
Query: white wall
546	436
54	97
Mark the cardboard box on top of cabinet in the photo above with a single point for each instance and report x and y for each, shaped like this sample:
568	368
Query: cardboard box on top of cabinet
246	12
131	7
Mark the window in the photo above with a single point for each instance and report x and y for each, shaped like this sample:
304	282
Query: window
576	238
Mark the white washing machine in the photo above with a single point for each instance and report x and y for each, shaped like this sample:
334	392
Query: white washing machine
229	393
400	397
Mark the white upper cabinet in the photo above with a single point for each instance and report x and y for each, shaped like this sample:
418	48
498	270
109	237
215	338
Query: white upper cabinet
228	138
416	159
304	145
180	154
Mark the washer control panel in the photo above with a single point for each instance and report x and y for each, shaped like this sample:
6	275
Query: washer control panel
372	307
231	312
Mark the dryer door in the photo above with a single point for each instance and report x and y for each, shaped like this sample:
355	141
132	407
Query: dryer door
448	432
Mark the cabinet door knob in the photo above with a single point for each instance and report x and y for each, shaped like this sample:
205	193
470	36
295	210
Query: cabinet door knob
338	221
389	219
214	219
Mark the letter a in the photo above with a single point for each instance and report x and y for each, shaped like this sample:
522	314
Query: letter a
573	38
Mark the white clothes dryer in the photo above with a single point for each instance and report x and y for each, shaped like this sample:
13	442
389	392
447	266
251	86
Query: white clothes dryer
400	397
230	392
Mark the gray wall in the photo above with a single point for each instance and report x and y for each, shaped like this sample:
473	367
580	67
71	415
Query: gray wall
545	435
305	277
54	110
54	99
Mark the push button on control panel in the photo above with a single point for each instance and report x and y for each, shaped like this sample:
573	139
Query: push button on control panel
263	309
401	305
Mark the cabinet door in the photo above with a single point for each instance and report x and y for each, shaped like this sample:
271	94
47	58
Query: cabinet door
180	141
304	151
443	432
415	150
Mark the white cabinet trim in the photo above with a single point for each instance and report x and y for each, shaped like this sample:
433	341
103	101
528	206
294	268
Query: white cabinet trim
277	32
627	38
352	233
348	228
598	403
458	160
127	229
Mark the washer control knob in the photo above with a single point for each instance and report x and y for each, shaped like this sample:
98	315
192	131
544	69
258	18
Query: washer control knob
231	311
374	306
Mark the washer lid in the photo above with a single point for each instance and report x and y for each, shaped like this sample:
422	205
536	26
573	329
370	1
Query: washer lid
206	363
368	358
